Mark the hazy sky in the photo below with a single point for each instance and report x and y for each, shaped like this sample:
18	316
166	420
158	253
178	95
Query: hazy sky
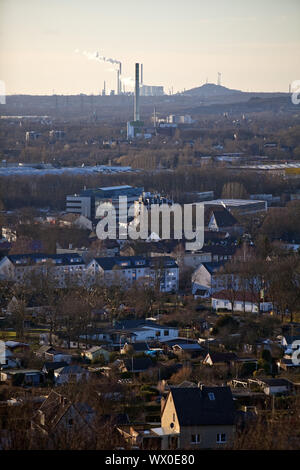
182	43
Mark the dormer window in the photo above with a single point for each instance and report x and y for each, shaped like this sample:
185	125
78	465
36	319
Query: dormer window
211	396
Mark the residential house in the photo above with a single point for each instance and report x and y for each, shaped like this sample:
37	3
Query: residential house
16	345
52	355
135	364
161	271
58	415
33	304
197	418
221	220
62	269
75	220
144	331
221	253
96	353
290	343
208	279
242	302
273	386
49	368
22	377
7	358
193	349
220	359
61	340
9	233
70	374
135	348
288	365
140	436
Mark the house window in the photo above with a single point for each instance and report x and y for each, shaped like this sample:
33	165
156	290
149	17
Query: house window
195	439
211	396
70	422
221	438
166	332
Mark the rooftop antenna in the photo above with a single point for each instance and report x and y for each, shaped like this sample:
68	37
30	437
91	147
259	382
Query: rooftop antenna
219	78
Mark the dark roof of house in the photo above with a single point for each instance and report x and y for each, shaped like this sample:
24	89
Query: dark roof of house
225	250
46	349
186	384
223	217
203	406
276	382
140	324
38	258
140	346
138	363
135	262
213	267
136	323
172	342
71	370
53	365
188	347
222	357
55	407
291	339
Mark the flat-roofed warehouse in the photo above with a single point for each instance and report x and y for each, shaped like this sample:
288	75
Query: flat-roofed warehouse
281	169
243	206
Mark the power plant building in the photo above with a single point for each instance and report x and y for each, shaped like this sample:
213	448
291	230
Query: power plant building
147	90
88	200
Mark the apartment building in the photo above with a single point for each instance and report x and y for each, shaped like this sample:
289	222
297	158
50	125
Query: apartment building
162	270
63	269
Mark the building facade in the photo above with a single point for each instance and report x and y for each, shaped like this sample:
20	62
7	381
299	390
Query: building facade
161	271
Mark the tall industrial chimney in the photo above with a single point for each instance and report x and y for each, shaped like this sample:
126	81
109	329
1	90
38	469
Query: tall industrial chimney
118	82
137	93
141	74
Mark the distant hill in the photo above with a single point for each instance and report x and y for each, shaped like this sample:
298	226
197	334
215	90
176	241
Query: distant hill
209	90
